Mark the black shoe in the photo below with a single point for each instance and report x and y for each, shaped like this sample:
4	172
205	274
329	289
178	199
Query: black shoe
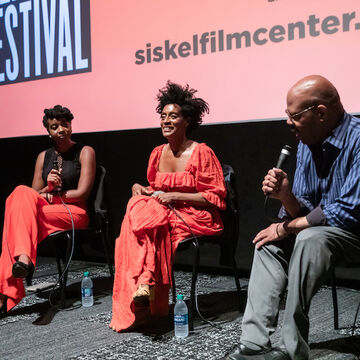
3	309
21	270
241	352
277	354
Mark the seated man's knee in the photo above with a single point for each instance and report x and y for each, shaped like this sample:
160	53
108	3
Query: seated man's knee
306	234
313	238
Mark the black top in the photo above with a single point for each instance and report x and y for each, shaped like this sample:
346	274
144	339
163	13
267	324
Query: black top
71	166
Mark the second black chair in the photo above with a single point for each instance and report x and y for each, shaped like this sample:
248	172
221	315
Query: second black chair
227	242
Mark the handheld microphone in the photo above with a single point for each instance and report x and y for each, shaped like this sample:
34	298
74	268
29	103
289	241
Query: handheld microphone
284	155
56	167
156	193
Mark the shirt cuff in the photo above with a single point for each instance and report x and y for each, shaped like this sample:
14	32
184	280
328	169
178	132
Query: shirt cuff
316	217
304	210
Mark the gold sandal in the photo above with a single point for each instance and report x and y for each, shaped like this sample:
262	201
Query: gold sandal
143	294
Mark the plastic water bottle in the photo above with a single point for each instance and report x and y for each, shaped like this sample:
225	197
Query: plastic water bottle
87	298
181	319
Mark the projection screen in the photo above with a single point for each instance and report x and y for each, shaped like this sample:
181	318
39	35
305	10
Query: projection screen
106	59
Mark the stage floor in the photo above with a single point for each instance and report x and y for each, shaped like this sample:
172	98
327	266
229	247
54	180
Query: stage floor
36	330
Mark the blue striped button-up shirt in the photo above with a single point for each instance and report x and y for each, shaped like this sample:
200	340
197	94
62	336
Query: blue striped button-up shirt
327	178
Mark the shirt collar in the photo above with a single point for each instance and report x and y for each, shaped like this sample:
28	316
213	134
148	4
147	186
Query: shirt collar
337	137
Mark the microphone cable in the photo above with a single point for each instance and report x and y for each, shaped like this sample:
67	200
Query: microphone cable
57	164
268	217
71	252
211	323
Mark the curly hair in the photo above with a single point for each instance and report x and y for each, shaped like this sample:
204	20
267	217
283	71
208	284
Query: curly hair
57	112
192	108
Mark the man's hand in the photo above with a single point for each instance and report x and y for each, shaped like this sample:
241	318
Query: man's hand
276	184
274	232
138	189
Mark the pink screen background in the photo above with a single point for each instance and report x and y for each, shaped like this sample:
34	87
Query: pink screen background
243	84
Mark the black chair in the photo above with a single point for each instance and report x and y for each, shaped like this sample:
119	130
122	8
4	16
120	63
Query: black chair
98	226
335	302
227	242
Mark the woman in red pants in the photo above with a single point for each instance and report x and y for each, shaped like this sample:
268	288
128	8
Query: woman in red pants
183	175
31	214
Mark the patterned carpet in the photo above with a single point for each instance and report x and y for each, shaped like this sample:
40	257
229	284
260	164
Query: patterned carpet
36	330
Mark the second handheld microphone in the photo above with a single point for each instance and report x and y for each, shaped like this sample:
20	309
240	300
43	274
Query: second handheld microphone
56	167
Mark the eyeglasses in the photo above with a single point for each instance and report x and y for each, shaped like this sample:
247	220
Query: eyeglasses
296	116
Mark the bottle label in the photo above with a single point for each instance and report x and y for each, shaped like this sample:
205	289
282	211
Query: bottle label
86	292
181	319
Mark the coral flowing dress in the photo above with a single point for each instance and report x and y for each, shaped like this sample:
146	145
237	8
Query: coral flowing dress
151	232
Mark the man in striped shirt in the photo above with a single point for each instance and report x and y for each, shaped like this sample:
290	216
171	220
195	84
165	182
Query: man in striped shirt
320	226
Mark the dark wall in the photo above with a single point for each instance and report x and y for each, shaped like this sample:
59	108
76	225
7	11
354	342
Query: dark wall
251	148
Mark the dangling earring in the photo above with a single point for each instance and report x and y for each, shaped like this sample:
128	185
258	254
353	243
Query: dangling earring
50	136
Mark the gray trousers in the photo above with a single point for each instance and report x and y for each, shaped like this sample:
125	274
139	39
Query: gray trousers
302	265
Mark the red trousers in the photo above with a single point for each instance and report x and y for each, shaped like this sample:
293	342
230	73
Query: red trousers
29	219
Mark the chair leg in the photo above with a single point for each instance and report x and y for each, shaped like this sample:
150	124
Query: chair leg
193	285
59	260
237	282
355	318
173	286
59	267
335	302
106	248
65	272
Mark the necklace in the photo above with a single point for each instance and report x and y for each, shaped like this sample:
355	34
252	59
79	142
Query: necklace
59	159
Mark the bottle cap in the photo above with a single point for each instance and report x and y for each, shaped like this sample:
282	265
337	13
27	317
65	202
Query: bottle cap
180	297
86	273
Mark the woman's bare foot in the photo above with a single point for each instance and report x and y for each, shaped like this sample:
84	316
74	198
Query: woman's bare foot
142	293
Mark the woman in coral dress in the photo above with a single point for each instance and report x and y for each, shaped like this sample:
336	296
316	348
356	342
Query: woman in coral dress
31	214
183	175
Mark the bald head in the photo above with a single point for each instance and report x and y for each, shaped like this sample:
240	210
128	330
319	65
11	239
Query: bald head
316	90
316	109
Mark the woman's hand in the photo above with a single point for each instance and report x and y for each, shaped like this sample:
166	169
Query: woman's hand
138	189
47	196
274	232
54	179
167	198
